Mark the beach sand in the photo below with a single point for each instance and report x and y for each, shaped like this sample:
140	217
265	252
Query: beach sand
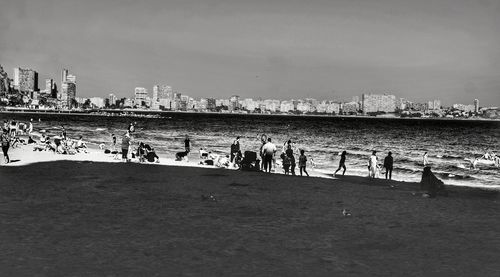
96	218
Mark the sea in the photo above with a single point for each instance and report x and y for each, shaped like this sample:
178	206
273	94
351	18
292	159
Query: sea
449	143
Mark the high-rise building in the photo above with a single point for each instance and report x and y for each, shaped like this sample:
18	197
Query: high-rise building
165	92
140	96
112	99
476	105
378	103
211	104
67	96
25	80
49	84
156	92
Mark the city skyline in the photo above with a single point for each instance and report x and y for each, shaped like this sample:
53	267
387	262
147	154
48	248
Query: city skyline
322	50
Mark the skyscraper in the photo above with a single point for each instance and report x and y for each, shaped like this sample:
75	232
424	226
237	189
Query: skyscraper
68	90
140	95
476	105
25	80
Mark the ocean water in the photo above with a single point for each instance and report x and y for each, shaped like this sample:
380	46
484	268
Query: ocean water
448	142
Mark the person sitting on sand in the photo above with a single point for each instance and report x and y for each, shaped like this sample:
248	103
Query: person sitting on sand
203	154
141	152
80	144
342	163
151	154
30	140
431	183
237	159
223	161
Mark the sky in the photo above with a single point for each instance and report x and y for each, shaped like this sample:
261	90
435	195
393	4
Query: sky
280	49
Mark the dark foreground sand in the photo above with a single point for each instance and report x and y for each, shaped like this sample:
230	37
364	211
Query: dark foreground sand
100	219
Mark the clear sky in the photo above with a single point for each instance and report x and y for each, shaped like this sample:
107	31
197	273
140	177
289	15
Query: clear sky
324	49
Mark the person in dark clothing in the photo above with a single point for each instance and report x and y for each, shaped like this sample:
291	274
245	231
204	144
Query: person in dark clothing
388	162
341	163
187	145
431	183
289	153
235	147
5	140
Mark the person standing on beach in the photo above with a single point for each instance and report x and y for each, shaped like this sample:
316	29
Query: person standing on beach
303	162
388	163
131	127
289	153
263	141
187	144
267	153
113	139
5	140
235	148
426	159
30	127
341	163
125	146
373	164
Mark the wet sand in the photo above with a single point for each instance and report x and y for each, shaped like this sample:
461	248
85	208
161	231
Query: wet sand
87	218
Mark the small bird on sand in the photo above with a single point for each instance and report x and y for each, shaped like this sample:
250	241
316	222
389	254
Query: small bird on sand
210	197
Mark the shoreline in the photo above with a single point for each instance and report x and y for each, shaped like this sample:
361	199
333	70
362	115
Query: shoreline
23	155
161	114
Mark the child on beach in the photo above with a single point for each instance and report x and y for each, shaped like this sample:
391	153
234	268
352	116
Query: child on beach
302	163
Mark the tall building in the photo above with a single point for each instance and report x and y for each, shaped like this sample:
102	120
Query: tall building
112	99
25	80
372	103
140	96
49	84
235	103
156	92
476	105
165	92
67	96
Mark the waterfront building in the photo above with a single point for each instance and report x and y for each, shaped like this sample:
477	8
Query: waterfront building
304	107
68	90
25	80
350	108
464	108
434	105
476	105
140	96
234	103
373	103
112	99
333	108
286	106
98	102
165	92
156	92
165	104
211	104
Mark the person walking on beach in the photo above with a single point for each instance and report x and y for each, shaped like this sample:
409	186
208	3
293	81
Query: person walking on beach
426	159
235	148
303	162
125	146
5	140
187	144
373	164
267	153
388	163
341	163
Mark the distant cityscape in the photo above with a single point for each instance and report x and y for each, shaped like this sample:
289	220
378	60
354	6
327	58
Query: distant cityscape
22	92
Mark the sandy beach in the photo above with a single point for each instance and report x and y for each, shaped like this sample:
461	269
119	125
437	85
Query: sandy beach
85	216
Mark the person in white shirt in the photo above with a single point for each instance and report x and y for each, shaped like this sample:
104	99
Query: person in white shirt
373	164
426	159
268	151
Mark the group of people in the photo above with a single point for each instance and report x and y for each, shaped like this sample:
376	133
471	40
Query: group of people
373	165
